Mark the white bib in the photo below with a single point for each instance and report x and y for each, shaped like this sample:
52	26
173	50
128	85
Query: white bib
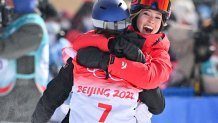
97	100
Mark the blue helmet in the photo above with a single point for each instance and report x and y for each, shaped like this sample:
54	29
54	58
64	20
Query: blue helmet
110	14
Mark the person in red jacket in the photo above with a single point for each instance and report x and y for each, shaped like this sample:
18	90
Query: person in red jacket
148	17
122	56
109	100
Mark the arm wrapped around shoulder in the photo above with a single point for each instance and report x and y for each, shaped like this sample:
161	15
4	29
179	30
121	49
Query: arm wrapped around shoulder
120	47
57	91
93	58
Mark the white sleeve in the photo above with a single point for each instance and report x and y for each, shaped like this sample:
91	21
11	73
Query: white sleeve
61	112
142	114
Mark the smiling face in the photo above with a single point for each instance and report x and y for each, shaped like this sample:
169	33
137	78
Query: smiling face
149	21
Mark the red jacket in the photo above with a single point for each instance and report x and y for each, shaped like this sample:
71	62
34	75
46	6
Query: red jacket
150	75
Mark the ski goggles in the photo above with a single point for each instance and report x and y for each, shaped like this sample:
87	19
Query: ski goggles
118	25
162	5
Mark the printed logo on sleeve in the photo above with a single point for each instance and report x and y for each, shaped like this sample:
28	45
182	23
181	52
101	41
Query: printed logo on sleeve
124	65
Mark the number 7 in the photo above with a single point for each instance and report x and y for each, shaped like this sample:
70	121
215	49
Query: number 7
106	111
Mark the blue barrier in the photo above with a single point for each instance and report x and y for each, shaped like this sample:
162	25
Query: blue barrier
189	110
179	91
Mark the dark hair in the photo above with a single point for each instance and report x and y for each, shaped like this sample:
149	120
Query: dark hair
108	33
134	23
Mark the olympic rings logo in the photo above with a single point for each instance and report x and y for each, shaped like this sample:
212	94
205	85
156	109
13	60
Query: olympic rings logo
98	73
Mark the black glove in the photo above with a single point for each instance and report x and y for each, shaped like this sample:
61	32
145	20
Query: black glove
154	99
134	38
93	58
121	47
56	93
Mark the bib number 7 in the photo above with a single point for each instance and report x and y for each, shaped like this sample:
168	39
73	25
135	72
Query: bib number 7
106	111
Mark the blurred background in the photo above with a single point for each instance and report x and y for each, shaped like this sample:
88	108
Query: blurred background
192	90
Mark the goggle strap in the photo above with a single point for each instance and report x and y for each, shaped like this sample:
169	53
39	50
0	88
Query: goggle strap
134	15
